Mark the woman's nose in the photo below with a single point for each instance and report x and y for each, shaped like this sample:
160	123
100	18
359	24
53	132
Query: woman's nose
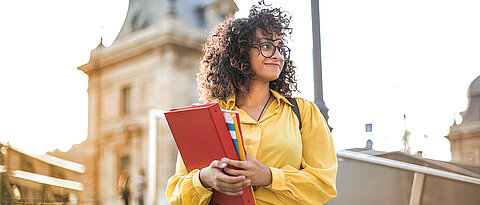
277	54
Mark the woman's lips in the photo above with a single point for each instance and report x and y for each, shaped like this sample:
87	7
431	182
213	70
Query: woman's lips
273	64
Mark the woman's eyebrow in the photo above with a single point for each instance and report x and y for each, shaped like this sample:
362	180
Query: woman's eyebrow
272	40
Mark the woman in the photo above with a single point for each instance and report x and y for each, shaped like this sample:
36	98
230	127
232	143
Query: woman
123	186
246	68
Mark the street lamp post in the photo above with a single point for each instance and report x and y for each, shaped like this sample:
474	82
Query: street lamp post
317	61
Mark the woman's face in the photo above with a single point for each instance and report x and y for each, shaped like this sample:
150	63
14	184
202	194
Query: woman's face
266	69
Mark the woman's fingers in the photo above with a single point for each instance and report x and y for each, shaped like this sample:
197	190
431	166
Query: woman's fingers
233	193
230	179
236	172
245	168
209	174
218	164
236	182
214	176
252	169
233	188
223	182
235	163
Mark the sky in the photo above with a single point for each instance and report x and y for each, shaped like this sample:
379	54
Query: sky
381	60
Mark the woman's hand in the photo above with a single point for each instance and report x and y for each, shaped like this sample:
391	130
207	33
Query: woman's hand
212	176
252	169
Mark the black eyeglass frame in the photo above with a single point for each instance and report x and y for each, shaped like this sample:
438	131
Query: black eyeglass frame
273	53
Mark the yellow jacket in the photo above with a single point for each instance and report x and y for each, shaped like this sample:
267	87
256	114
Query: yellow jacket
303	162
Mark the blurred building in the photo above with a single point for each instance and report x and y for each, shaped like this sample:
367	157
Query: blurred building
366	176
28	179
152	64
465	137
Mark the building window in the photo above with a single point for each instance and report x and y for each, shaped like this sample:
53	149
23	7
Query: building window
126	101
2	159
200	13
26	164
57	172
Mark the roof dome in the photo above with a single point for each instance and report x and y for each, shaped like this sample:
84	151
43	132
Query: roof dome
472	114
474	88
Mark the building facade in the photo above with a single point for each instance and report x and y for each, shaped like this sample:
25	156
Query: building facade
29	179
465	137
152	64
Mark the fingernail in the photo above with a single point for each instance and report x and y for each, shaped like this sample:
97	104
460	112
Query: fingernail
224	164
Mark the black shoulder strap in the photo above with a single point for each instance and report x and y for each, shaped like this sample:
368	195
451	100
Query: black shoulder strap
296	110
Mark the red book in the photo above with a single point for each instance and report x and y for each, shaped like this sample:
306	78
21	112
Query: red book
202	135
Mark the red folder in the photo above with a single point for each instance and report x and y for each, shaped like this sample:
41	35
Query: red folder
201	135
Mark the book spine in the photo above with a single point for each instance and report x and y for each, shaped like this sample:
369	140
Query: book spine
222	132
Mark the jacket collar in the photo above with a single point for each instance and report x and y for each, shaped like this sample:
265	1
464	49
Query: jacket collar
229	103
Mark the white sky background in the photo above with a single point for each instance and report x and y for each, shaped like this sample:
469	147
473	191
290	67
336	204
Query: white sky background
381	59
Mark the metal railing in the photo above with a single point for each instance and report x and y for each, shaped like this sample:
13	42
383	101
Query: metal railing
406	166
420	172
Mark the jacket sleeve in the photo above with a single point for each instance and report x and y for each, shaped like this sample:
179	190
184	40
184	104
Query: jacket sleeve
186	188
314	182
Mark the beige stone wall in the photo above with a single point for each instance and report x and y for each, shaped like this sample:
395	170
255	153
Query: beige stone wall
465	143
160	77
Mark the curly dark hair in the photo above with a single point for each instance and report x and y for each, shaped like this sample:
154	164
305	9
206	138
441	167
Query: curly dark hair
225	67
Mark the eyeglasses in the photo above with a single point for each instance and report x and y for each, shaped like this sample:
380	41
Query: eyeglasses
268	49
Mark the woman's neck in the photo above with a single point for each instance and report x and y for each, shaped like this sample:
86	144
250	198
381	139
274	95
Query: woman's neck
257	96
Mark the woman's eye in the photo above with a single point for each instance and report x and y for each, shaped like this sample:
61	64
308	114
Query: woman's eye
267	46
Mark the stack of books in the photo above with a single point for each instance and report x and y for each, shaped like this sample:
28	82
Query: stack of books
204	133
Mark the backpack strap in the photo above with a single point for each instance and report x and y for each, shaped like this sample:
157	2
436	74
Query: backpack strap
293	101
